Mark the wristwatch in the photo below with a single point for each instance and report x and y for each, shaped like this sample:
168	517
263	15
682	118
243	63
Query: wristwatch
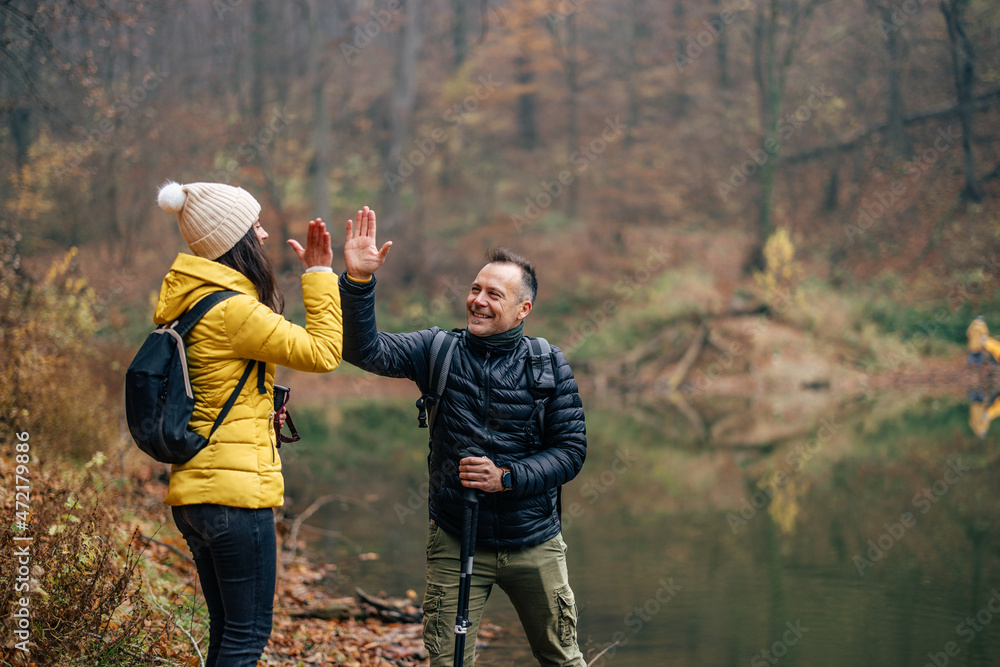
507	480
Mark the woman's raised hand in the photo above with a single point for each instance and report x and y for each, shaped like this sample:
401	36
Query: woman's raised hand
318	250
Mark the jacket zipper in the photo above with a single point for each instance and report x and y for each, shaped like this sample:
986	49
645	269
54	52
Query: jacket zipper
489	442
486	417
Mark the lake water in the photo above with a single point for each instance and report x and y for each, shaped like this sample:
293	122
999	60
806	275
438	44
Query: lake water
870	540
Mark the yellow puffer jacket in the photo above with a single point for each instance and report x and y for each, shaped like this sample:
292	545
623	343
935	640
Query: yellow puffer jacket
976	332
240	466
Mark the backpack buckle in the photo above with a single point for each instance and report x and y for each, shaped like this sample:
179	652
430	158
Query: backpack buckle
422	412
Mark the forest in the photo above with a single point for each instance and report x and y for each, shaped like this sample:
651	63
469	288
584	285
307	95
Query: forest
701	185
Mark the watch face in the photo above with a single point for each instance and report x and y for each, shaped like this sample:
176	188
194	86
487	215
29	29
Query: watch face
506	480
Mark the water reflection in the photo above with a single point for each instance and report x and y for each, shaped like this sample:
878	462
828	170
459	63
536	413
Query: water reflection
878	548
982	411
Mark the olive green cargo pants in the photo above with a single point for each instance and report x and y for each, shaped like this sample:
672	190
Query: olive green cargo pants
535	580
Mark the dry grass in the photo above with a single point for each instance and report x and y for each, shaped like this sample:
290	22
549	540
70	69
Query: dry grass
79	574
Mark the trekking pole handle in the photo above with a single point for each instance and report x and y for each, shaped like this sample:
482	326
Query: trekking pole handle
470	495
471	451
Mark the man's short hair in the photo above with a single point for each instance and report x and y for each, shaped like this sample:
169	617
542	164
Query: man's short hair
529	283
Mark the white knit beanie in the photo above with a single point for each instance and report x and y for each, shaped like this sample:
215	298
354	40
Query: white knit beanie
213	217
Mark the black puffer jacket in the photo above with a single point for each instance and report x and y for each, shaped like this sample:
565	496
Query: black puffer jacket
487	403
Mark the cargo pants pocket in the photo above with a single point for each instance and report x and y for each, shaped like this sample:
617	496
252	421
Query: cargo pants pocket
433	628
567	615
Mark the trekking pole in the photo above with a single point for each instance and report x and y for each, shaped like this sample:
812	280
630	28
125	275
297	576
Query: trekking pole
470	521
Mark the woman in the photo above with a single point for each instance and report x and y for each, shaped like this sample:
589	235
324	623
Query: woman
223	497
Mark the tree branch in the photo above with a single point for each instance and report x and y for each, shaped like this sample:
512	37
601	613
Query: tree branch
852	142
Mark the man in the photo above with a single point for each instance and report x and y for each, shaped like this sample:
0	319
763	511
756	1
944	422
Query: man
488	403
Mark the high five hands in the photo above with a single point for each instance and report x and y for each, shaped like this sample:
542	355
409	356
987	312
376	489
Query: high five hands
362	256
318	251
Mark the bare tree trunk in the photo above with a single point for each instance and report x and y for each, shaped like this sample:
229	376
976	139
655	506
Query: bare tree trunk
963	59
257	126
258	48
19	122
404	92
635	28
896	143
721	46
526	107
459	33
771	66
317	71
896	139
765	70
573	110
567	48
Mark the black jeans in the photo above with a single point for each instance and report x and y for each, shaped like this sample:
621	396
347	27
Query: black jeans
234	551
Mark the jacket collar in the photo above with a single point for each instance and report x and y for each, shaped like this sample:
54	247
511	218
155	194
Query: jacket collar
190	278
504	342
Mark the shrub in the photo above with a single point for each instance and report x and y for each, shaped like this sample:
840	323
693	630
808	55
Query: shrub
46	331
85	601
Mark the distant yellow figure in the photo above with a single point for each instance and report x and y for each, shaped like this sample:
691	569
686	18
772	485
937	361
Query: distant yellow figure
978	333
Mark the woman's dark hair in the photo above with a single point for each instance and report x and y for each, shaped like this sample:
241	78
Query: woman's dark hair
248	257
529	283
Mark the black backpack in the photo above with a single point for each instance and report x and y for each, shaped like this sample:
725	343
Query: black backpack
159	400
540	366
542	381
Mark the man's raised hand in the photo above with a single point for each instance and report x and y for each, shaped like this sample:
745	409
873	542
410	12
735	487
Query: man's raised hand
362	256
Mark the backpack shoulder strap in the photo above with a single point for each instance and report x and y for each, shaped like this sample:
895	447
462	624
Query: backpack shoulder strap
233	396
541	380
541	364
438	364
183	326
186	322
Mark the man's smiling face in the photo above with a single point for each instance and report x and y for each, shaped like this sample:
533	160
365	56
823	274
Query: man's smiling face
493	304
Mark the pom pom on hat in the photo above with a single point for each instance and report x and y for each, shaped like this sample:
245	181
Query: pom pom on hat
171	197
212	217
